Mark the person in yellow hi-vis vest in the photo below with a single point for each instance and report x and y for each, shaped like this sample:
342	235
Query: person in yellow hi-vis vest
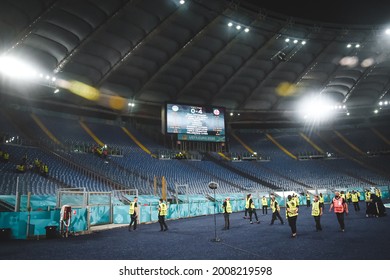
367	195
275	211
227	210
296	199
292	215
162	212
316	212
355	201
133	212
308	199
264	204
322	201
247	204
252	211
348	197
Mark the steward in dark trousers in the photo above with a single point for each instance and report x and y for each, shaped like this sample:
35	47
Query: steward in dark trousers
296	199
133	211
264	204
292	215
340	207
227	210
252	210
355	201
275	211
321	200
247	205
367	195
307	199
316	212
162	212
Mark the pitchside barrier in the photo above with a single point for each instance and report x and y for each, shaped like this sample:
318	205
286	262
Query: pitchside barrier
96	208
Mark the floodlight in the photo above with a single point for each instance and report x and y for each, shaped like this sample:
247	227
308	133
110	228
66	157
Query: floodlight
316	108
15	68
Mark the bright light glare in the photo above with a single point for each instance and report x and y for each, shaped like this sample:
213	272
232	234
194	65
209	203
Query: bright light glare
15	68
316	108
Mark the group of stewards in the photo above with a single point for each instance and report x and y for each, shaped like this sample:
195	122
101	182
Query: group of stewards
38	166
339	205
134	213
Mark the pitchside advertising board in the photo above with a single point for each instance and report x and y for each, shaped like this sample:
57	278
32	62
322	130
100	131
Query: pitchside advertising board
194	122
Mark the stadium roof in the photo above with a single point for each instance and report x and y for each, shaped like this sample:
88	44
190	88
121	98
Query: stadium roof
153	51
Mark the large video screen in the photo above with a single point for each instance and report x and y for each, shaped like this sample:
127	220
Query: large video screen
196	123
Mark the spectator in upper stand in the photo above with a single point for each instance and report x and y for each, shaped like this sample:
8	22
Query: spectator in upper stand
105	153
45	170
37	165
5	156
99	151
42	168
21	168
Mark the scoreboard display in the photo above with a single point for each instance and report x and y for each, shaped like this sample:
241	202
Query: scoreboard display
195	123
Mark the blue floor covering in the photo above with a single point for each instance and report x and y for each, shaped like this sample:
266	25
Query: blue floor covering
193	239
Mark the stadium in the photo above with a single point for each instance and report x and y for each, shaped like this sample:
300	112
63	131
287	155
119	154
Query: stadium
196	106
